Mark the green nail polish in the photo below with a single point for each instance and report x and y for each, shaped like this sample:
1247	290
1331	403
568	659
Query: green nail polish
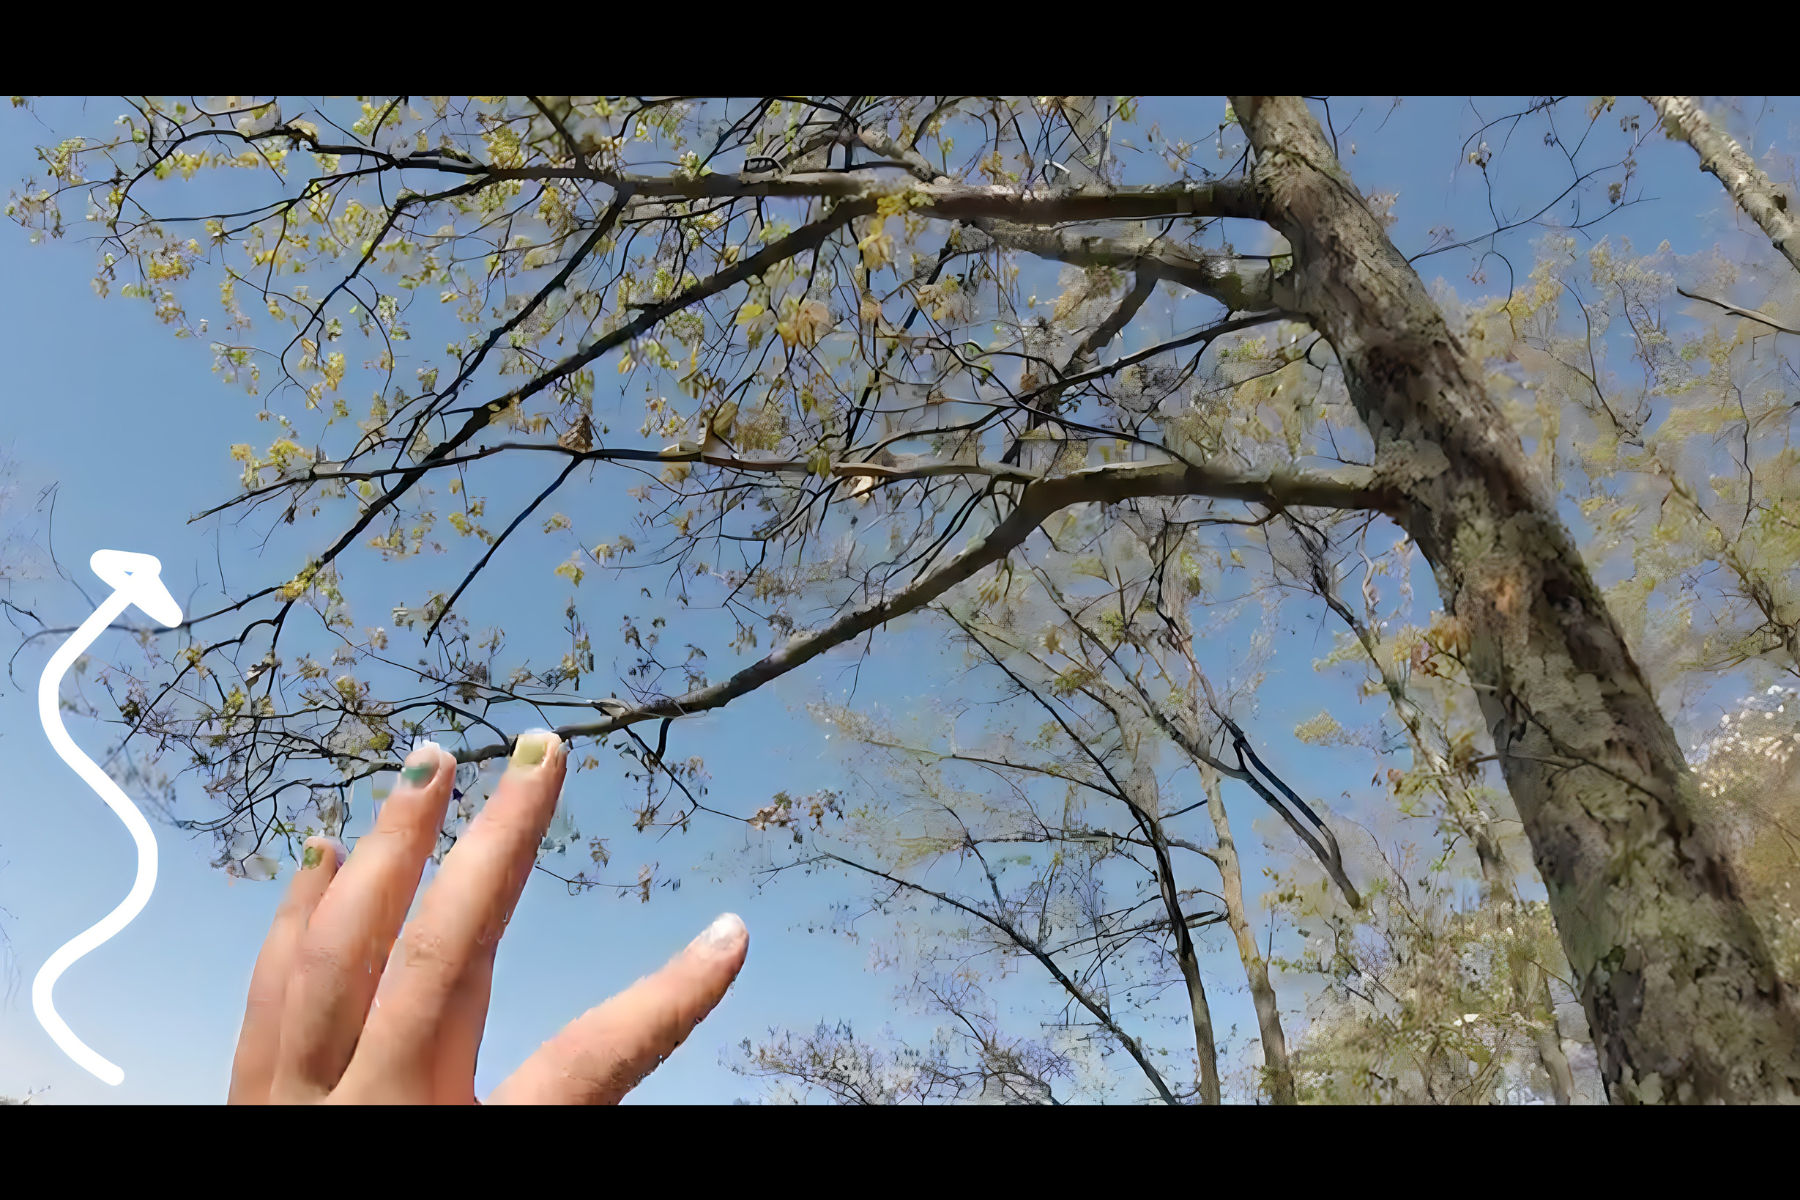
312	858
421	765
531	749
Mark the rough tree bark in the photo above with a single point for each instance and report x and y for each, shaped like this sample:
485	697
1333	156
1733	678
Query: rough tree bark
1677	980
1720	155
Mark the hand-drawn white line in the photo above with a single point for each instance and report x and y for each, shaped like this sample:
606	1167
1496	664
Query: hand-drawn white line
136	579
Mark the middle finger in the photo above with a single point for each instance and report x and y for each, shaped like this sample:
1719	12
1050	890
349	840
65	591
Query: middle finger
434	1001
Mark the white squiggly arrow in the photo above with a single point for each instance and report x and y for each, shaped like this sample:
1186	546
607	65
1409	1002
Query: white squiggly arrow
136	579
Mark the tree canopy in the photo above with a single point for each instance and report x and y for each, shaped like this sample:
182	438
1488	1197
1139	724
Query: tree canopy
998	362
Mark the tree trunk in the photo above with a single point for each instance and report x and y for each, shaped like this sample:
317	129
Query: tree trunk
1677	980
1280	1081
1205	1046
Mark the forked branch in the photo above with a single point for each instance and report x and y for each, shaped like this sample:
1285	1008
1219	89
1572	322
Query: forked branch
1356	488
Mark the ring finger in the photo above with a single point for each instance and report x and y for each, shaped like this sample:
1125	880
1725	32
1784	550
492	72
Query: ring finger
253	1068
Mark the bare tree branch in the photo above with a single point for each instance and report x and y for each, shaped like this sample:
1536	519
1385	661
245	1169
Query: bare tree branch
1240	284
1720	155
795	243
943	199
1356	488
561	131
1025	943
1749	314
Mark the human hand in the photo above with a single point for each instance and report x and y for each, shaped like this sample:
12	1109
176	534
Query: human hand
323	1025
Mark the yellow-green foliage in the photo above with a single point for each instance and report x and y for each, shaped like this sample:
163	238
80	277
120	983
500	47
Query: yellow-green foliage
1747	778
1426	999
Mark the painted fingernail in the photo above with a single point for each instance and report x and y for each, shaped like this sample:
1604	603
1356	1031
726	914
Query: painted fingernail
533	749
315	852
725	934
422	764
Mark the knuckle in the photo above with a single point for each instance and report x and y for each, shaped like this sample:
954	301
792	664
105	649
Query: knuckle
599	1075
425	949
315	957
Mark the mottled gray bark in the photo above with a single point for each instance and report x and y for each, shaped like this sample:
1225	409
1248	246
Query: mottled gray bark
1240	284
1676	979
1720	155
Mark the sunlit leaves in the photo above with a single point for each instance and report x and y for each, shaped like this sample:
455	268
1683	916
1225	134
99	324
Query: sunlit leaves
1679	464
877	248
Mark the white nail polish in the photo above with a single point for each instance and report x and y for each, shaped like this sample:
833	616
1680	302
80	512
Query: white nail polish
723	933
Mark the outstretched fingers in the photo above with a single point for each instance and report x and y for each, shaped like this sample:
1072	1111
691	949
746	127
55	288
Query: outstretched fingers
608	1051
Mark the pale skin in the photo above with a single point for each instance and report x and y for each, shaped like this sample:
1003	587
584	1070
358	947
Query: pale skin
346	1006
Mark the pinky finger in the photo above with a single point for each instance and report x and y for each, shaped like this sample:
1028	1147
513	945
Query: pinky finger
609	1050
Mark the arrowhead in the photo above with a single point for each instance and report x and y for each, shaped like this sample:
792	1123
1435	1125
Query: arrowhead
140	577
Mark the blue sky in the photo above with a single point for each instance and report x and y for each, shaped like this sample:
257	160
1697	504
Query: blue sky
101	401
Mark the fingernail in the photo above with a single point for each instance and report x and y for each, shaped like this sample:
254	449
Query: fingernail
724	934
422	764
533	748
315	852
